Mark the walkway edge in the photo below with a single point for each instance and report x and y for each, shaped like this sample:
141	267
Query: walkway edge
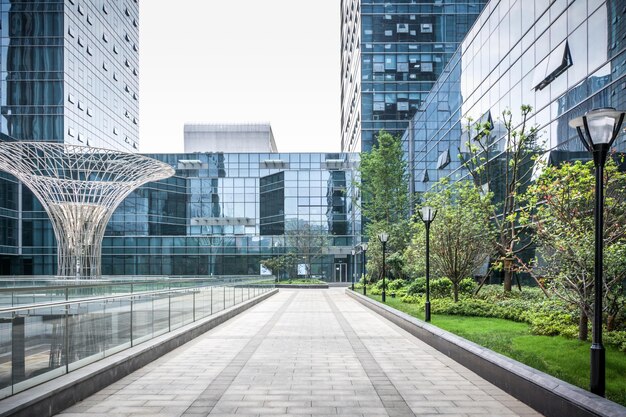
546	394
60	393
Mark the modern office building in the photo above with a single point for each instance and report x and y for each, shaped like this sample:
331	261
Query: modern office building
391	55
561	58
229	137
70	73
223	214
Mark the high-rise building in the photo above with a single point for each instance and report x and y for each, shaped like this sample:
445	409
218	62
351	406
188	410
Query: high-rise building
70	73
391	55
229	137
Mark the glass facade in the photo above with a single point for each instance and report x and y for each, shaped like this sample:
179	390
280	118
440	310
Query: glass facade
222	214
562	58
69	73
391	55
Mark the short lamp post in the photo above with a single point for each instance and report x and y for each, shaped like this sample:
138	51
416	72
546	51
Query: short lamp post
427	214
598	129
353	267
384	237
364	249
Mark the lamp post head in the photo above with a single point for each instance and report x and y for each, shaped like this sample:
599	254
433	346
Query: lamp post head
383	237
598	127
364	246
353	252
427	214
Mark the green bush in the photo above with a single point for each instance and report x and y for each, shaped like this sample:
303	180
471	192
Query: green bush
440	288
616	338
467	286
416	287
395	285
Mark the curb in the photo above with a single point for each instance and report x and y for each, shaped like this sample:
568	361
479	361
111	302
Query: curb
56	395
303	286
544	393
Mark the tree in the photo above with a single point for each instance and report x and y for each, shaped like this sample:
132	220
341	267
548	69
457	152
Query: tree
502	158
384	198
305	241
562	202
461	237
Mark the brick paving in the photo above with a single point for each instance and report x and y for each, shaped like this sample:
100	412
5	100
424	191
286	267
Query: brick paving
303	353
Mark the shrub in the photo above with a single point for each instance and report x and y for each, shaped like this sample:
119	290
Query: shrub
416	287
395	285
440	288
467	286
616	338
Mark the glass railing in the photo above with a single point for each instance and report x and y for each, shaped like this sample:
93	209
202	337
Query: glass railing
51	329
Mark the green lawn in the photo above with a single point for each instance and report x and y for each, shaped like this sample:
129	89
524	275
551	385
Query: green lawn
566	359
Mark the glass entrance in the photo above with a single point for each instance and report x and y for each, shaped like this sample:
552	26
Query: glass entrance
341	272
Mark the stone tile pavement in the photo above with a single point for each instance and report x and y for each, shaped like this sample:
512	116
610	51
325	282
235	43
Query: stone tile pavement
303	353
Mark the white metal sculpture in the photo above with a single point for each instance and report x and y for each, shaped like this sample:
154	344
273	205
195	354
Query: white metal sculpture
79	187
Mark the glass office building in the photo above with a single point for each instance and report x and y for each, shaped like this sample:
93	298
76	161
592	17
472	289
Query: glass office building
69	73
223	214
391	55
562	58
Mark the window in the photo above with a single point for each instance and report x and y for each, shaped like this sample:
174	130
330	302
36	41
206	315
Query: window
554	65
89	20
403	67
403	106
379	67
70	31
105	66
444	159
426	28
80	41
379	106
426	67
115	49
70	98
388	33
80	10
105	37
89	51
80	105
402	28
89	111
71	132
115	132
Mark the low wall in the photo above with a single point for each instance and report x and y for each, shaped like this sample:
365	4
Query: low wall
548	395
60	393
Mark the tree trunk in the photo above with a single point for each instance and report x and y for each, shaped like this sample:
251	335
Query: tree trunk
583	326
610	322
455	286
508	279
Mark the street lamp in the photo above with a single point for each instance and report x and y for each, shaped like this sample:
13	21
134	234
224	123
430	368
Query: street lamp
353	266
597	130
383	237
427	215
364	247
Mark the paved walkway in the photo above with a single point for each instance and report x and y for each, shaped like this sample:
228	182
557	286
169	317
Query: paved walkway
304	353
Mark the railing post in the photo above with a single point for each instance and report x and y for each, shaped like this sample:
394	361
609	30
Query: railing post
211	300
132	297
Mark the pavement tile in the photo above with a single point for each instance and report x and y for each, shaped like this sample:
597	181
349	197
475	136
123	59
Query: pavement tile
303	353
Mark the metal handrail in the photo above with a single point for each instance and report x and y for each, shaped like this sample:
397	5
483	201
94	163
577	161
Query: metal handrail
106	297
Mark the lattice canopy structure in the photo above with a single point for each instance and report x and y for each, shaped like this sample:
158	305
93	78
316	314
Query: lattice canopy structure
80	188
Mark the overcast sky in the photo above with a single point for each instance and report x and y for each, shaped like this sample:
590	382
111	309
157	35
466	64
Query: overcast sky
271	61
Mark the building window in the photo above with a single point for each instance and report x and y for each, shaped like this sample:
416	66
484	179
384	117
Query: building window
71	132
70	31
402	28
426	28
70	98
379	67
105	37
403	106
379	106
444	159
554	65
403	67
426	67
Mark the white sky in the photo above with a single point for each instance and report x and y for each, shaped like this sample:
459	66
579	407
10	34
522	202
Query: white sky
212	61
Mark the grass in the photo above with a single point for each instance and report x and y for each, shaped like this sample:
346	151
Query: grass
563	358
301	281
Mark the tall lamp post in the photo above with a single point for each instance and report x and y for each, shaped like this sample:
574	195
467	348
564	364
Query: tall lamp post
598	129
364	248
353	266
384	237
427	214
